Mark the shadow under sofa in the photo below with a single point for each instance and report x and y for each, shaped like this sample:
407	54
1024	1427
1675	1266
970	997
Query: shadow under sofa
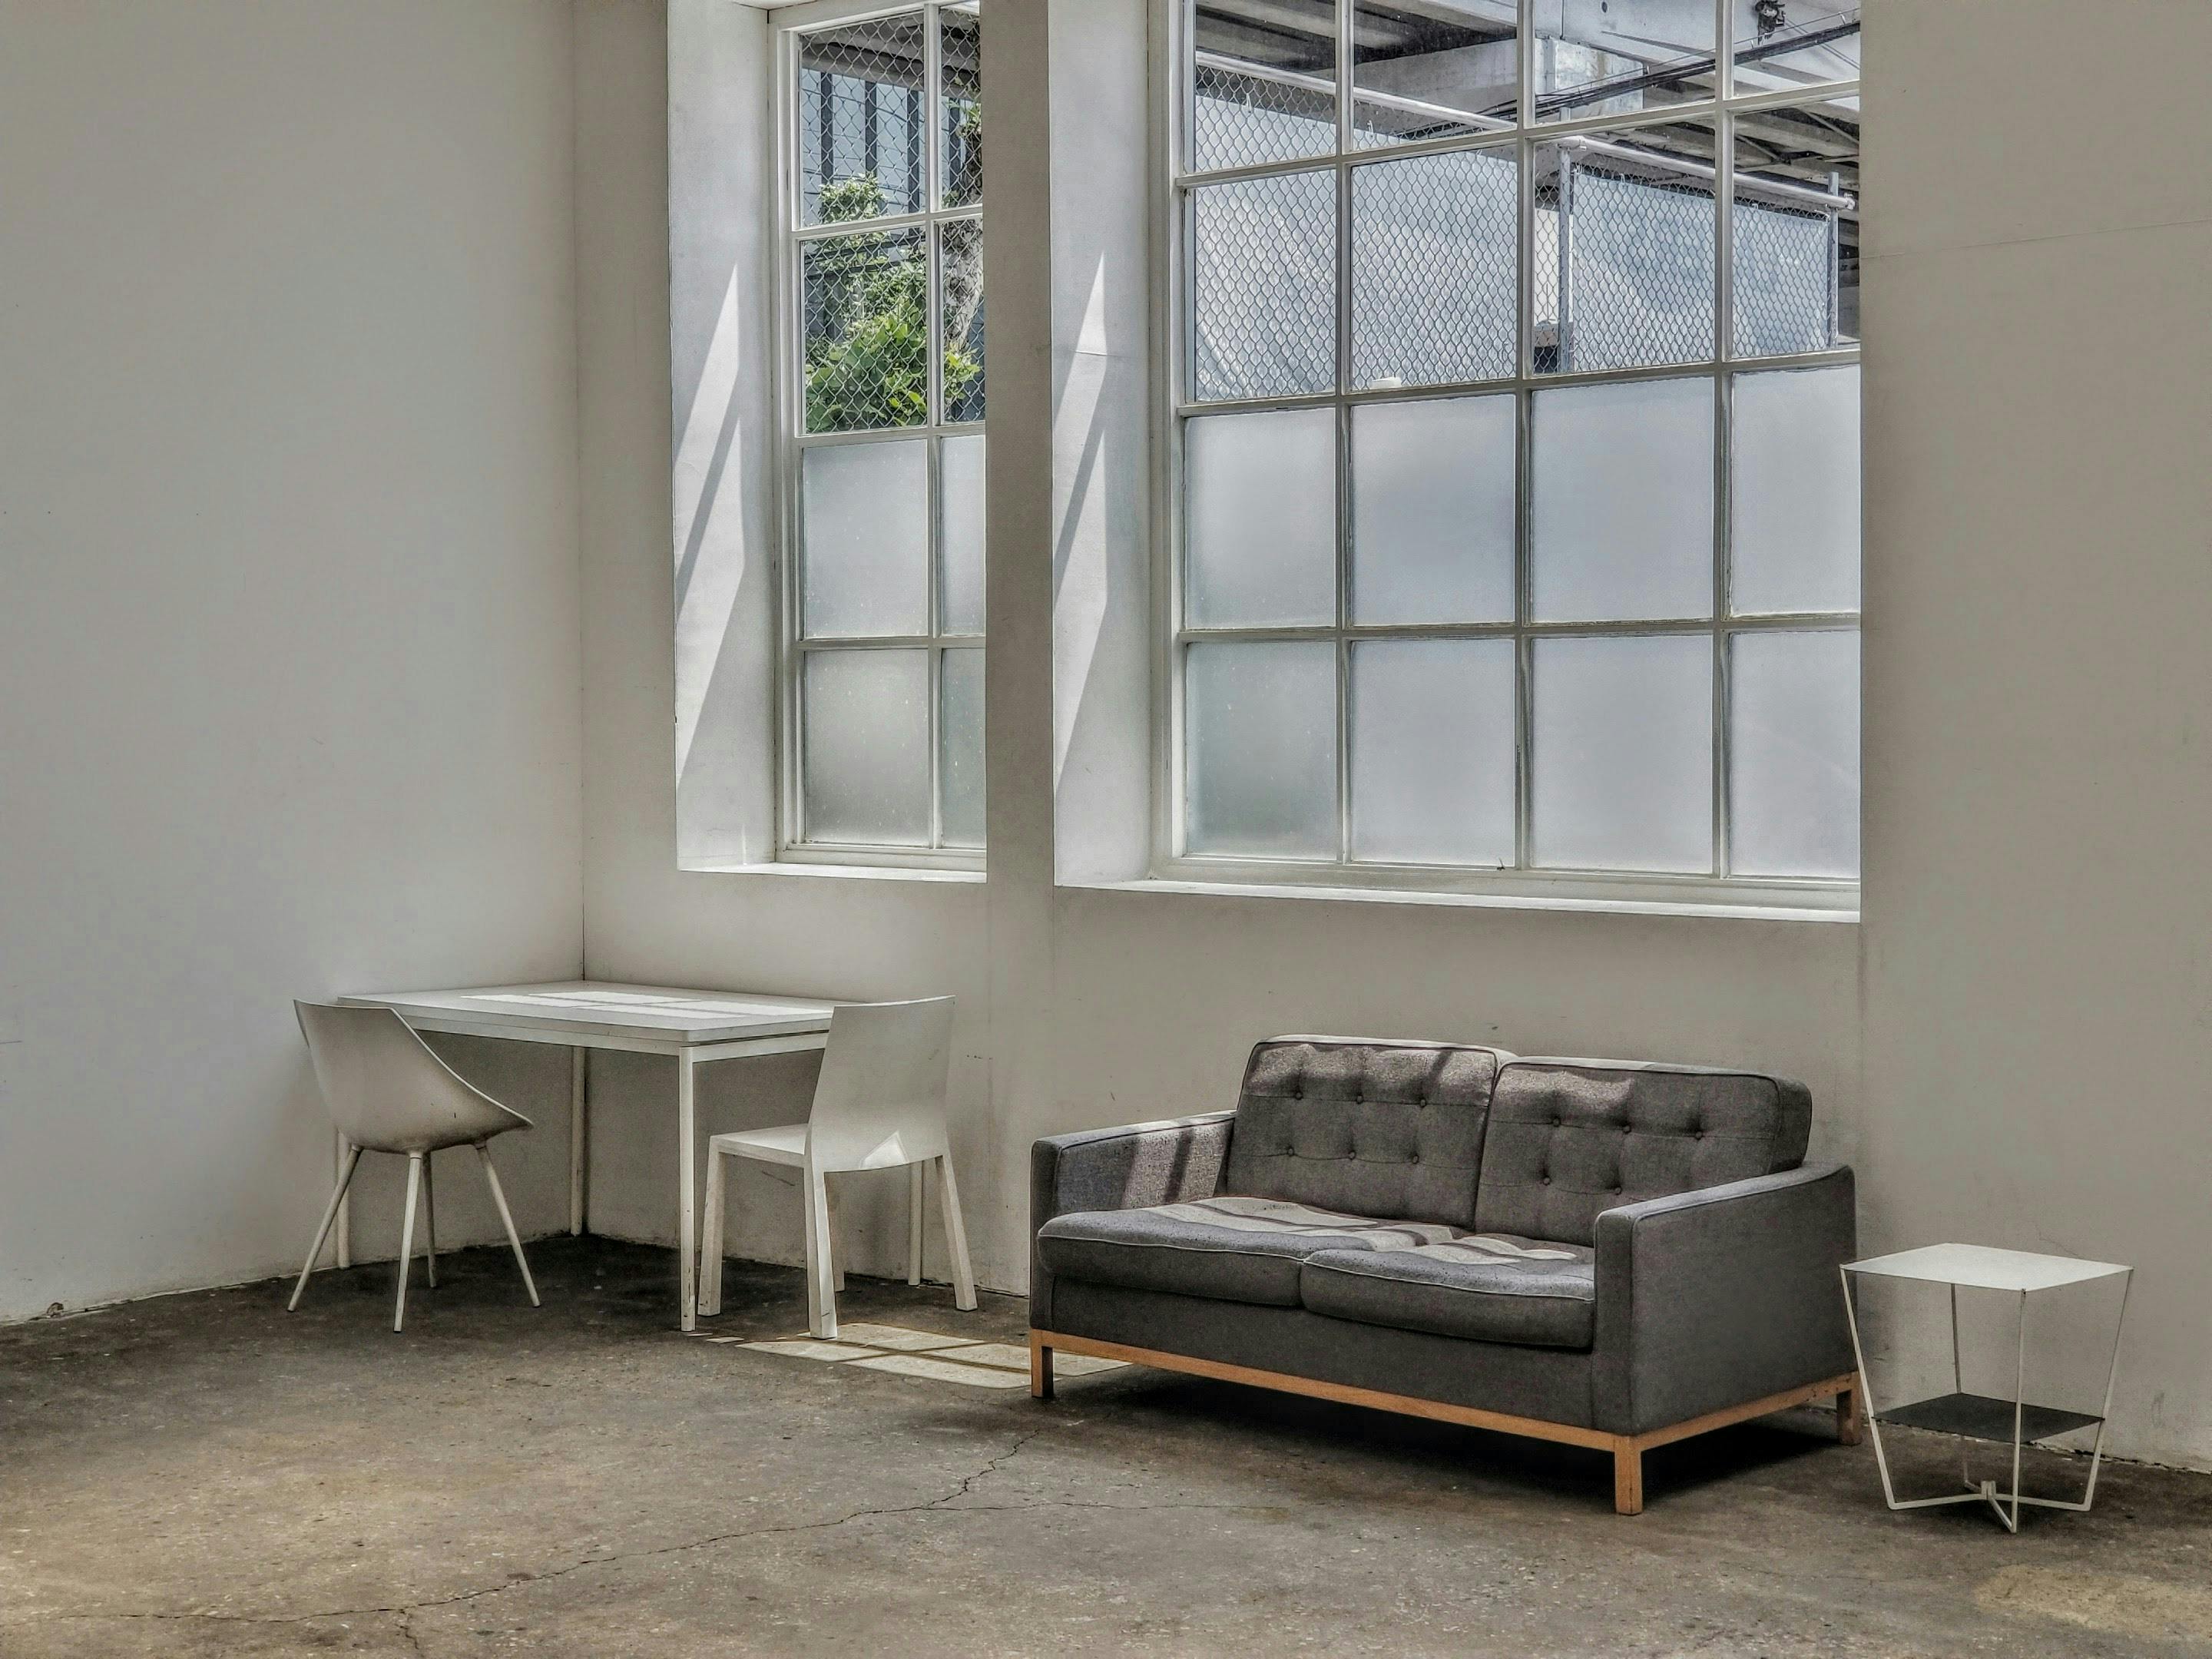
1605	1253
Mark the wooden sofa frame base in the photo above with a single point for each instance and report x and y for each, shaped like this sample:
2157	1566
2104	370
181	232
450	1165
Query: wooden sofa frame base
1627	1450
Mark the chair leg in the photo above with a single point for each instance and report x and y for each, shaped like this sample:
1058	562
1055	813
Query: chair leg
956	1235
1627	1478
830	1239
430	1223
330	1214
913	1208
1848	1419
710	1237
407	1237
821	1283
507	1220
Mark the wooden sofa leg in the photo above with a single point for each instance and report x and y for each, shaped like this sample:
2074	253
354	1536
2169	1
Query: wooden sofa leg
1040	1369
1627	1478
1850	1417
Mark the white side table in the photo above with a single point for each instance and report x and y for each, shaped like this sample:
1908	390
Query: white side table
1982	1417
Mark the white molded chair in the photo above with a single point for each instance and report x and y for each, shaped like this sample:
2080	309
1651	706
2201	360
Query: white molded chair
387	1092
878	1104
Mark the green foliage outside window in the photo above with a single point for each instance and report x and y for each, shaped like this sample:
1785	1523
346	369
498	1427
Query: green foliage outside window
867	321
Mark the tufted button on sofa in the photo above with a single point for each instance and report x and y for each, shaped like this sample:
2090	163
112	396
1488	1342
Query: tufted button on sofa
1611	1254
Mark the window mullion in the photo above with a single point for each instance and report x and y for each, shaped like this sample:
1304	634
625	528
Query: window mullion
1524	323
1724	414
1344	255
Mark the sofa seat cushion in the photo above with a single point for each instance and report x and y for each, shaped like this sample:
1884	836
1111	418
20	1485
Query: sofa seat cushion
1489	1287
1233	1249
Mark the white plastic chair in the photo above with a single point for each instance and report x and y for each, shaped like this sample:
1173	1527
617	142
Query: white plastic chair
387	1092
878	1104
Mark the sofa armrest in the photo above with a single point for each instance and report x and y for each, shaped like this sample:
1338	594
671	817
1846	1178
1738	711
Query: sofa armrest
1121	1169
1722	1295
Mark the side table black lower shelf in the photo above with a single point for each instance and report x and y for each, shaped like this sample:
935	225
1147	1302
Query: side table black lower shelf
1980	1417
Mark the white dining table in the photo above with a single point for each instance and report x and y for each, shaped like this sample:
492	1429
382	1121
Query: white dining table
694	1027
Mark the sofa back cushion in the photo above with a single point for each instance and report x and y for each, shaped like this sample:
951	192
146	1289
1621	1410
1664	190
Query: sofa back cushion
1370	1127
1571	1138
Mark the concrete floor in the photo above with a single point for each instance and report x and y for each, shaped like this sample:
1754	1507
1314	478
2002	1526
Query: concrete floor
205	1475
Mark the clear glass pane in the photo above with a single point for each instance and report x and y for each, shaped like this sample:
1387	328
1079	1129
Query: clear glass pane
960	748
1798	228
1260	741
1260	522
1423	71
1623	753
1263	83
1617	57
1794	758
860	119
1623	509
866	745
1795	43
960	139
960	534
864	521
1432	486
1432	768
1631	283
960	270
1794	511
1434	271
866	330
1263	262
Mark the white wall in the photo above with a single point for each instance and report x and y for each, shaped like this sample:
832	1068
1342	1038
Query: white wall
2039	804
288	598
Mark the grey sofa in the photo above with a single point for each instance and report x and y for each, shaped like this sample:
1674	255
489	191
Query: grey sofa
1614	1255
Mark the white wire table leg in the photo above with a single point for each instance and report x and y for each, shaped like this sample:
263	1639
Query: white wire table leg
1874	1420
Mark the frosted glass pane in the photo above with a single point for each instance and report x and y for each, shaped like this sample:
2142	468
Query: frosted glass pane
1624	502
1433	511
1432	773
1623	753
866	520
1260	741
960	508
1794	490
960	748
866	745
1261	521
1794	759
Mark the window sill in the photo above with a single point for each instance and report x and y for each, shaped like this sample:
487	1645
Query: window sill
1746	910
844	872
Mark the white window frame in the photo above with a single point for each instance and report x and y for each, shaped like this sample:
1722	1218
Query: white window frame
792	440
1174	348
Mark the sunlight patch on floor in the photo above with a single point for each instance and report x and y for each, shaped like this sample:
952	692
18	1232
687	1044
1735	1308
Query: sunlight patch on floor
2120	1604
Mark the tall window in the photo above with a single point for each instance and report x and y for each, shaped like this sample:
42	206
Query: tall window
882	388
1515	444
